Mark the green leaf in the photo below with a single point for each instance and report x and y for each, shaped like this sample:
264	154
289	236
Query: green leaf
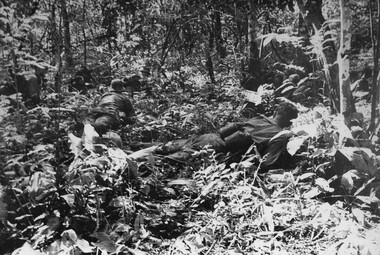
76	145
105	242
295	144
84	246
89	137
348	179
121	227
313	192
360	217
26	249
364	186
142	153
306	176
187	182
42	17
23	217
120	201
69	198
323	185
211	186
69	237
362	159
368	199
136	251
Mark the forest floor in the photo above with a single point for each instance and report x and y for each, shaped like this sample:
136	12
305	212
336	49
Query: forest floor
63	194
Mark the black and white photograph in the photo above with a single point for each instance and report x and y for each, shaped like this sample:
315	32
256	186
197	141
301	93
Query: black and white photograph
189	127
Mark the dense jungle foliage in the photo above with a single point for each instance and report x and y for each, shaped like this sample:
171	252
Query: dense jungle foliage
191	67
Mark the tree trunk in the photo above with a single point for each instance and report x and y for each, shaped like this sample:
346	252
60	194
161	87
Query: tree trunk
209	63
311	11
66	31
58	61
346	102
218	35
313	17
55	34
210	67
375	78
302	28
165	48
239	39
254	66
84	35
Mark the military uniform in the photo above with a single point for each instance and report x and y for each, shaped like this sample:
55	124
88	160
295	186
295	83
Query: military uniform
113	110
237	138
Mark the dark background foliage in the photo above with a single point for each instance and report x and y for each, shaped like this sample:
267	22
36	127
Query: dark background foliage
201	64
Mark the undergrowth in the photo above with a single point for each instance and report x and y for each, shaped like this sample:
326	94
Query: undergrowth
61	198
